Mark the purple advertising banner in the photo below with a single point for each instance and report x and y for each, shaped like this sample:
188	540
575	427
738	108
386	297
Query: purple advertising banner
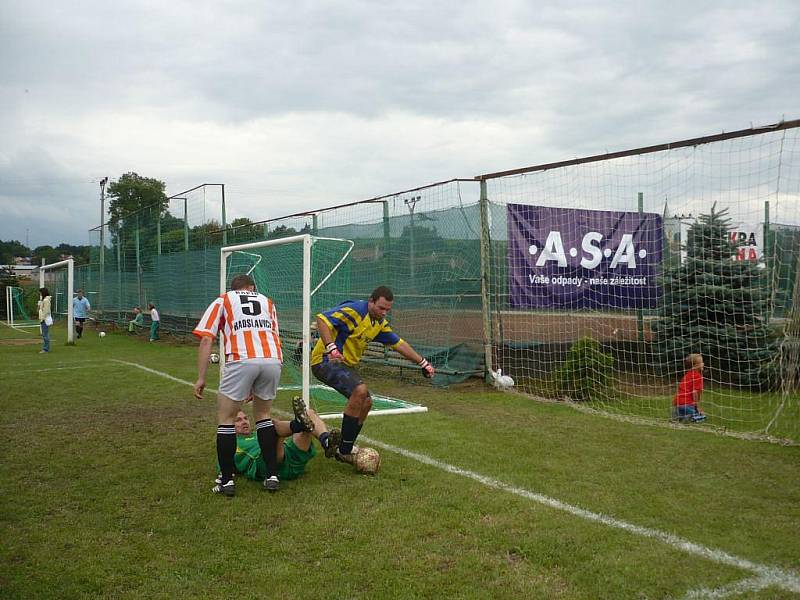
571	258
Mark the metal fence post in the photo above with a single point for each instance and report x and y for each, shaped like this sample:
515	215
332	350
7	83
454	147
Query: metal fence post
485	271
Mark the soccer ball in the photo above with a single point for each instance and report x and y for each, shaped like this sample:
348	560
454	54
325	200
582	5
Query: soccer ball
368	461
213	358
102	334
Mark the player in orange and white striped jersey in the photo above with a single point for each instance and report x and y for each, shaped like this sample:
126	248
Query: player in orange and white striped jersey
248	324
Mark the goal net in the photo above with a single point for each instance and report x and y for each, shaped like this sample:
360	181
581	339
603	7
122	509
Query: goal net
303	275
17	314
59	279
607	273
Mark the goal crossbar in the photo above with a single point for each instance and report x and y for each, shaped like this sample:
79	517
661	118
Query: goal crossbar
307	241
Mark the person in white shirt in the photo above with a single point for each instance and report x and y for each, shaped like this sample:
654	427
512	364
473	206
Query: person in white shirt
155	321
80	311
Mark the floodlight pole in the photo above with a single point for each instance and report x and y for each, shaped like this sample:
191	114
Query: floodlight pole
103	183
411	204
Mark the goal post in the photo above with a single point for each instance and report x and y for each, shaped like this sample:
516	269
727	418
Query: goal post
65	288
303	275
305	332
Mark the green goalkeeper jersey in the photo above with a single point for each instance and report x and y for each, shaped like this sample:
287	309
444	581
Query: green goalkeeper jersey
248	457
249	463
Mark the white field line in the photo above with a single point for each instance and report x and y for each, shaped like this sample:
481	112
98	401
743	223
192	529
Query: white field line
21	368
52	369
159	373
23	328
784	579
753	584
770	576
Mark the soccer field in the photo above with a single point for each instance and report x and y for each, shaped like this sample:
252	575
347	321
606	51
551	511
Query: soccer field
108	460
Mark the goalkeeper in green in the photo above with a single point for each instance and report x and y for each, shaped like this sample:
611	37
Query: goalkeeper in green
294	450
344	332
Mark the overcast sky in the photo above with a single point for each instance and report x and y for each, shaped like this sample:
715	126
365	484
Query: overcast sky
299	105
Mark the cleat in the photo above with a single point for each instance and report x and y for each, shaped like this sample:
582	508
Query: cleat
272	484
347	458
334	439
228	489
218	479
301	415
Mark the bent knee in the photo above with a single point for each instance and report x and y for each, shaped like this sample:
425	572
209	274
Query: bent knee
361	393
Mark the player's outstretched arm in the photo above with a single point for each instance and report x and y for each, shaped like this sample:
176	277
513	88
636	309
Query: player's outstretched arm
203	352
405	350
327	337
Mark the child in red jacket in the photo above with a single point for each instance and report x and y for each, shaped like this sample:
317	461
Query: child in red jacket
686	404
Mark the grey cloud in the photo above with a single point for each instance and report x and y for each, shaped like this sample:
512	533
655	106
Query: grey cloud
569	79
47	200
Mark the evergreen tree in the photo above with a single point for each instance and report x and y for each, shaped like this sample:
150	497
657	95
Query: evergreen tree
717	306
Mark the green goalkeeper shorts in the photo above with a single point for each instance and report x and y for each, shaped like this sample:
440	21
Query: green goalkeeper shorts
294	460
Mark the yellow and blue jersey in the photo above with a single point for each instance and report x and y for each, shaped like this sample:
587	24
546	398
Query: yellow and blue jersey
354	329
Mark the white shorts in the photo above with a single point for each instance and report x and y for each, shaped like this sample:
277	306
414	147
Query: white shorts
257	376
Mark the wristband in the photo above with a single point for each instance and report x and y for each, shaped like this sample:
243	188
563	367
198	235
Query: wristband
423	363
331	348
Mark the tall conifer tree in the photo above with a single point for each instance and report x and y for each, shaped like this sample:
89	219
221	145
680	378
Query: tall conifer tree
717	306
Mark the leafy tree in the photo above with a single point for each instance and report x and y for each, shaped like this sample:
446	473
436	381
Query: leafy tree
48	253
172	234
242	230
10	250
132	193
282	231
135	206
80	254
207	234
717	306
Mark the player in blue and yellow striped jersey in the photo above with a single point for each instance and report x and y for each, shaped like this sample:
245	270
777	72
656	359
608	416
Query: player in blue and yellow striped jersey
344	331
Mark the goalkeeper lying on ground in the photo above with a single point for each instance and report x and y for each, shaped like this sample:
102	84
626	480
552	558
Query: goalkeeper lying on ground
294	449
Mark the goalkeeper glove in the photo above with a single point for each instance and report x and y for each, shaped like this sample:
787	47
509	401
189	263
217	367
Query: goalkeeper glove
427	368
333	352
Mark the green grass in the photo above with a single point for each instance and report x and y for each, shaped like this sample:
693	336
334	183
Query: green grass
737	411
106	473
728	409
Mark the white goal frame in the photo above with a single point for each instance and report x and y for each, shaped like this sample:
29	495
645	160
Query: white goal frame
10	310
308	241
70	264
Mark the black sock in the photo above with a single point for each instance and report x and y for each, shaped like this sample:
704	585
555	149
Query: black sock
79	328
323	439
350	429
267	439
296	426
226	450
